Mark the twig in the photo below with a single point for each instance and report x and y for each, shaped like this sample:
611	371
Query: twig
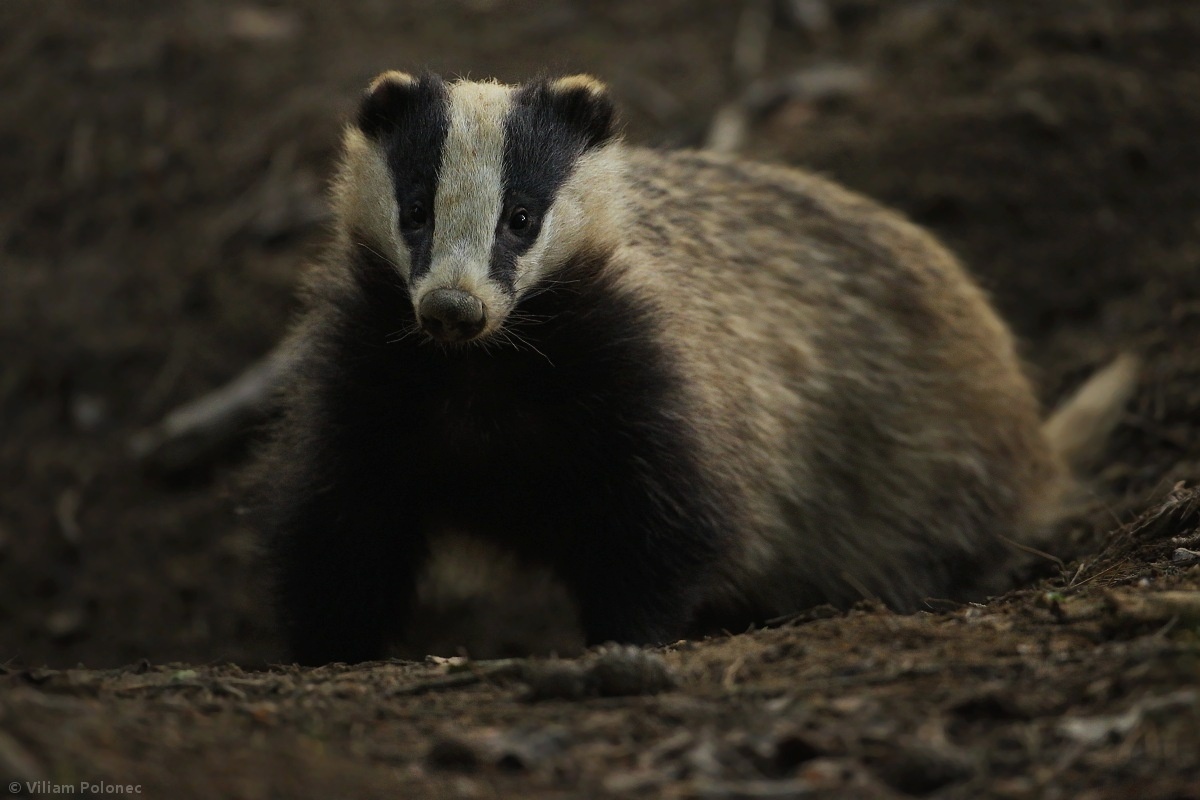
727	132
477	672
729	679
193	433
66	513
1062	565
755	96
811	16
750	42
1099	574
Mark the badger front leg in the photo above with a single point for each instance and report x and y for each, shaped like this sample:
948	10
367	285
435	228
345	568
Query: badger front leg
345	576
622	600
641	560
344	550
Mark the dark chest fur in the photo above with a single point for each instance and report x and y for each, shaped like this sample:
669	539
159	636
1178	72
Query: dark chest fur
581	386
572	447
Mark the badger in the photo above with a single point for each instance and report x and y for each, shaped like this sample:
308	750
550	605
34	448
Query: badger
692	389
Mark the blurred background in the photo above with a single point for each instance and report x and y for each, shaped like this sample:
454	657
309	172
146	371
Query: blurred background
162	169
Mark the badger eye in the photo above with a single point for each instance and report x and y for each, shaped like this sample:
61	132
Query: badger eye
415	215
518	221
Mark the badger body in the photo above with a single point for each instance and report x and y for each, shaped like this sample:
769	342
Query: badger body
694	390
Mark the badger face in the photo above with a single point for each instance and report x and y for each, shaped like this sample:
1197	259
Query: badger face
476	192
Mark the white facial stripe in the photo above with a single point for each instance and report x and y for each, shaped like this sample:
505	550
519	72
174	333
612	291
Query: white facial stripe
531	266
470	189
366	200
587	209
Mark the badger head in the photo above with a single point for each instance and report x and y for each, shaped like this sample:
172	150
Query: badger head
477	192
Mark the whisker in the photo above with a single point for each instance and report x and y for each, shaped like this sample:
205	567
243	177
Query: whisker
397	279
544	285
395	337
543	289
530	319
508	339
530	345
377	254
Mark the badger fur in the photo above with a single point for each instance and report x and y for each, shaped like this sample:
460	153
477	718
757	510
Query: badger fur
691	389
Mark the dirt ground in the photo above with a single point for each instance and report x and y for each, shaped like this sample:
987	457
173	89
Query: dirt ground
161	174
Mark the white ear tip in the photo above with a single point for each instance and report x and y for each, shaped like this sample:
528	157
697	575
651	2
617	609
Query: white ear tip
393	76
587	83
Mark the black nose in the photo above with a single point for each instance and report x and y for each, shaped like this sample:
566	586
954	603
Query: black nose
452	315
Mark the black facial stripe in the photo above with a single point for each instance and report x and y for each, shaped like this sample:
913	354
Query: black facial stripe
413	143
503	267
540	151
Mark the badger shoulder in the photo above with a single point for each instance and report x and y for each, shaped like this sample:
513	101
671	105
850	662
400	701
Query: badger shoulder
799	259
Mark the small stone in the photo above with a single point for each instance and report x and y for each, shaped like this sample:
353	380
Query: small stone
89	412
527	748
66	623
16	763
555	680
1181	556
1156	607
452	754
811	16
66	512
627	671
920	769
266	25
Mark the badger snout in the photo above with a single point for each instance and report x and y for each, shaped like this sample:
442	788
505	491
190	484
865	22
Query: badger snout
451	315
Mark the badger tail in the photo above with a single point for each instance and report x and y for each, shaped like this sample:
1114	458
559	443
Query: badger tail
1079	428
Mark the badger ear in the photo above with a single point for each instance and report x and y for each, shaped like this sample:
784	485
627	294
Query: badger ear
583	104
394	99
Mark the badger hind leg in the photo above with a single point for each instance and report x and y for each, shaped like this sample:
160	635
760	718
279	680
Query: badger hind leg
478	598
